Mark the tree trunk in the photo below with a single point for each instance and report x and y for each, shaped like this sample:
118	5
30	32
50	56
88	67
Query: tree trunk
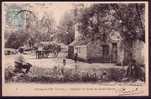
140	21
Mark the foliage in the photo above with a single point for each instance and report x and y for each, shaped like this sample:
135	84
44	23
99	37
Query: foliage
65	30
132	20
26	22
16	40
51	75
93	22
46	28
98	20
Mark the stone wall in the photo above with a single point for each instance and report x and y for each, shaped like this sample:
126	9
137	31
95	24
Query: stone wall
95	50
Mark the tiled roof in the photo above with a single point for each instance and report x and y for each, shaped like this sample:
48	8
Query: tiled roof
84	42
79	42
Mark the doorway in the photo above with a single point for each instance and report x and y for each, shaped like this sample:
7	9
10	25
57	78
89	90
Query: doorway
70	52
105	49
114	53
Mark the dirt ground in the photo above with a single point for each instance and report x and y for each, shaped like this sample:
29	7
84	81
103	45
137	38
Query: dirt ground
51	61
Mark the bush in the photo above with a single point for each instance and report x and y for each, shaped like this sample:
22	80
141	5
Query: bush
50	75
117	74
16	40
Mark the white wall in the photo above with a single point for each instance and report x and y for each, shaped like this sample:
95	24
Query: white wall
81	51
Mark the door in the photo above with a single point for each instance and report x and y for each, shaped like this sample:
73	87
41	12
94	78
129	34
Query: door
70	52
114	53
105	53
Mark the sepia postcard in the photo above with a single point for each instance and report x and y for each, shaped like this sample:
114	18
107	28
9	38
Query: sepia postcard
75	49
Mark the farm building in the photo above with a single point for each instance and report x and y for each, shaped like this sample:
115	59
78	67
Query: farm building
110	51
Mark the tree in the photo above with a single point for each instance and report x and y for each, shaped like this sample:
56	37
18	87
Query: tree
99	20
132	24
65	30
126	18
16	40
132	16
22	22
96	22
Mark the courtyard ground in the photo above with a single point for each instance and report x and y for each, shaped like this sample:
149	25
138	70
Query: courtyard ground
51	61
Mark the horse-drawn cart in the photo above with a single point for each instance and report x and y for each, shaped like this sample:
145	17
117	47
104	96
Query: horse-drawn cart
46	49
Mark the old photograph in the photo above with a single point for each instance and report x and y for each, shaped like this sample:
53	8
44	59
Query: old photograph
75	48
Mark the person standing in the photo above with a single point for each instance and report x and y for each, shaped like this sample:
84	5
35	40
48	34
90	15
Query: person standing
75	60
40	48
134	71
64	64
75	57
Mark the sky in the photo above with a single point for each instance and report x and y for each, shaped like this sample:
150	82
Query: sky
54	10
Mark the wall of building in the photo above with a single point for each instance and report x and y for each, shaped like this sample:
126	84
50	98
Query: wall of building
81	51
95	50
138	51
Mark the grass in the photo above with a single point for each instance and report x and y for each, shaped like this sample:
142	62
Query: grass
54	75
